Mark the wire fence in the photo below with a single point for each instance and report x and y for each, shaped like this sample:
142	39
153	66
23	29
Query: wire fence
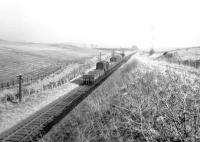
28	78
191	63
40	74
31	77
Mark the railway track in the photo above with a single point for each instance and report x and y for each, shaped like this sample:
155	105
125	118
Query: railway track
37	125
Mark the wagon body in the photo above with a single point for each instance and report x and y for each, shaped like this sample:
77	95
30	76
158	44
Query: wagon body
92	76
112	64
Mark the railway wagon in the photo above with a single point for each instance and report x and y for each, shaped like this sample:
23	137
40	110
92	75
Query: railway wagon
116	58
92	76
112	64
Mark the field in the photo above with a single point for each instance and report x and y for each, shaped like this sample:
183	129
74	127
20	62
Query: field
24	58
143	101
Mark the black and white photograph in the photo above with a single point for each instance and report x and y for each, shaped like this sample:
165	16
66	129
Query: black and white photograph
99	71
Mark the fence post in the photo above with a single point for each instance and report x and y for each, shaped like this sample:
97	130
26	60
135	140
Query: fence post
20	87
8	85
74	73
2	85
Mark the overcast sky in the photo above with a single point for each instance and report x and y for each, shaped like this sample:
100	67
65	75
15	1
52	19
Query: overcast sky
171	23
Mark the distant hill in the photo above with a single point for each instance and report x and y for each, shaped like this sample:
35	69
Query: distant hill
187	53
122	49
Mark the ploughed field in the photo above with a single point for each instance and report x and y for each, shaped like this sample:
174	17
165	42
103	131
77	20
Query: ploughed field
24	58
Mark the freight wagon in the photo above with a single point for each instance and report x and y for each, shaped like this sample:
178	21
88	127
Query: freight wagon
102	67
92	76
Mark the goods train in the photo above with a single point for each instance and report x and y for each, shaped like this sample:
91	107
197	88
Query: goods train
102	67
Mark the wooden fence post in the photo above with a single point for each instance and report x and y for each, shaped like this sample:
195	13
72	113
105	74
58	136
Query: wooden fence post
8	85
2	85
20	87
74	73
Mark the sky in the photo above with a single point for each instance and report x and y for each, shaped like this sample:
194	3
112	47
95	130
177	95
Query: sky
161	24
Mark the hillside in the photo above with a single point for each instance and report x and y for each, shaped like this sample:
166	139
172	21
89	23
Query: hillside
192	53
185	56
23	58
